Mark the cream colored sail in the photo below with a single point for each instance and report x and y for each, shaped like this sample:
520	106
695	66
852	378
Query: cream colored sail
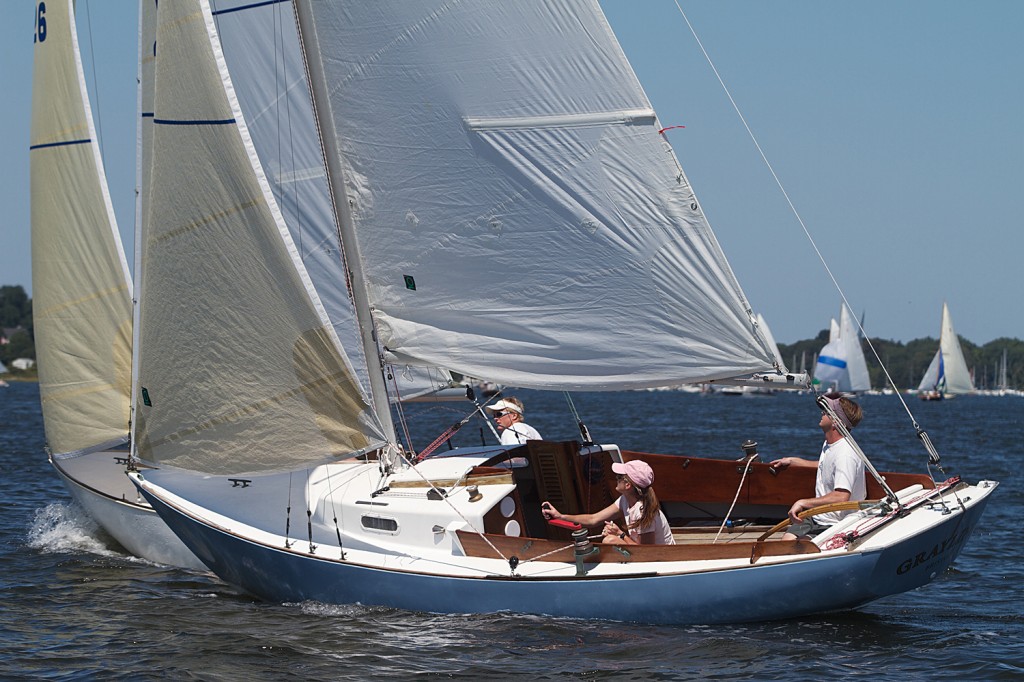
239	368
81	289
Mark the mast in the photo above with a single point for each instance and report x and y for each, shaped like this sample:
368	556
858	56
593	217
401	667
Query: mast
139	212
350	245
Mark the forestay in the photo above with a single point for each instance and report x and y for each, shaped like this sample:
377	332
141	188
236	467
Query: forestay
80	283
519	215
239	368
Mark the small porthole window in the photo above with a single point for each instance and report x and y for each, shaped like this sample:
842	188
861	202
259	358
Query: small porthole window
380	524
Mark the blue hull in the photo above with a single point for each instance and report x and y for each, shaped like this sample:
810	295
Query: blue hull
759	592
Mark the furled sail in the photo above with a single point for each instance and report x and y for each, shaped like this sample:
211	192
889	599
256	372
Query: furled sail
518	213
80	283
239	367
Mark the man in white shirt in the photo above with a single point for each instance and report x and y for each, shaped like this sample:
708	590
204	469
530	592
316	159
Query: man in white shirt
508	415
840	471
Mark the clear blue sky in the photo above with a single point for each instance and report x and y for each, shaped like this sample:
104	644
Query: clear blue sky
894	125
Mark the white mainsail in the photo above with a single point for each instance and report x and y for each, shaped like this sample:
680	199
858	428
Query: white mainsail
947	373
80	283
239	367
518	214
841	363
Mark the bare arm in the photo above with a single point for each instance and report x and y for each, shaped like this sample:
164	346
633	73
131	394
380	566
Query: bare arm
606	514
837	495
792	462
613	535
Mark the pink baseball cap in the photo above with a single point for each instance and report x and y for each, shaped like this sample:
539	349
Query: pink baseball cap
639	472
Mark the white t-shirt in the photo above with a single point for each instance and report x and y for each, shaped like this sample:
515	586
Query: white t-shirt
519	433
839	467
662	531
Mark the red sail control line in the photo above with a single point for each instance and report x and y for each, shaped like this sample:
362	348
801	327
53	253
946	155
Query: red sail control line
662	131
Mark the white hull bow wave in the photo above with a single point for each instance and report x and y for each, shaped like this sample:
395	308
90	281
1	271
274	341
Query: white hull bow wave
82	301
507	206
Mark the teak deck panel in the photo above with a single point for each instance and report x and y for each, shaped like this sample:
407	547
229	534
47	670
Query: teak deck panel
527	549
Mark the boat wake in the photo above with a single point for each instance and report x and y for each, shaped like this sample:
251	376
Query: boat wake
60	527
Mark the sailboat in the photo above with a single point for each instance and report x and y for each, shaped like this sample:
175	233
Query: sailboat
947	374
841	365
511	131
1002	382
82	305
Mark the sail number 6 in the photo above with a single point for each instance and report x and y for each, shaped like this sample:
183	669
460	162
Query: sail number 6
40	34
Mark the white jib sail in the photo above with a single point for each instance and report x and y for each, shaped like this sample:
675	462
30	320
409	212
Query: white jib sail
856	365
80	283
518	213
239	368
958	377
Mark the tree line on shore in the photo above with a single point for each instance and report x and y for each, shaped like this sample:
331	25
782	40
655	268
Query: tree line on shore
906	362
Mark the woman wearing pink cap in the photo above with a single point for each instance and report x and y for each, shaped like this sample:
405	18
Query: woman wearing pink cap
637	504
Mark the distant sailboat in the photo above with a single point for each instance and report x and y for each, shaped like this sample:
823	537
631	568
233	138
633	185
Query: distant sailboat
947	374
82	304
1003	383
841	365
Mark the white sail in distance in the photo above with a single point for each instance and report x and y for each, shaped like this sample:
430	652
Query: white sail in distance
947	373
81	287
841	364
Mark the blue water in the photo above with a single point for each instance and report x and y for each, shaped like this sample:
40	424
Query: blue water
76	607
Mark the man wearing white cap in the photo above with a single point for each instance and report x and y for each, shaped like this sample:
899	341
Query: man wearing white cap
840	471
508	415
